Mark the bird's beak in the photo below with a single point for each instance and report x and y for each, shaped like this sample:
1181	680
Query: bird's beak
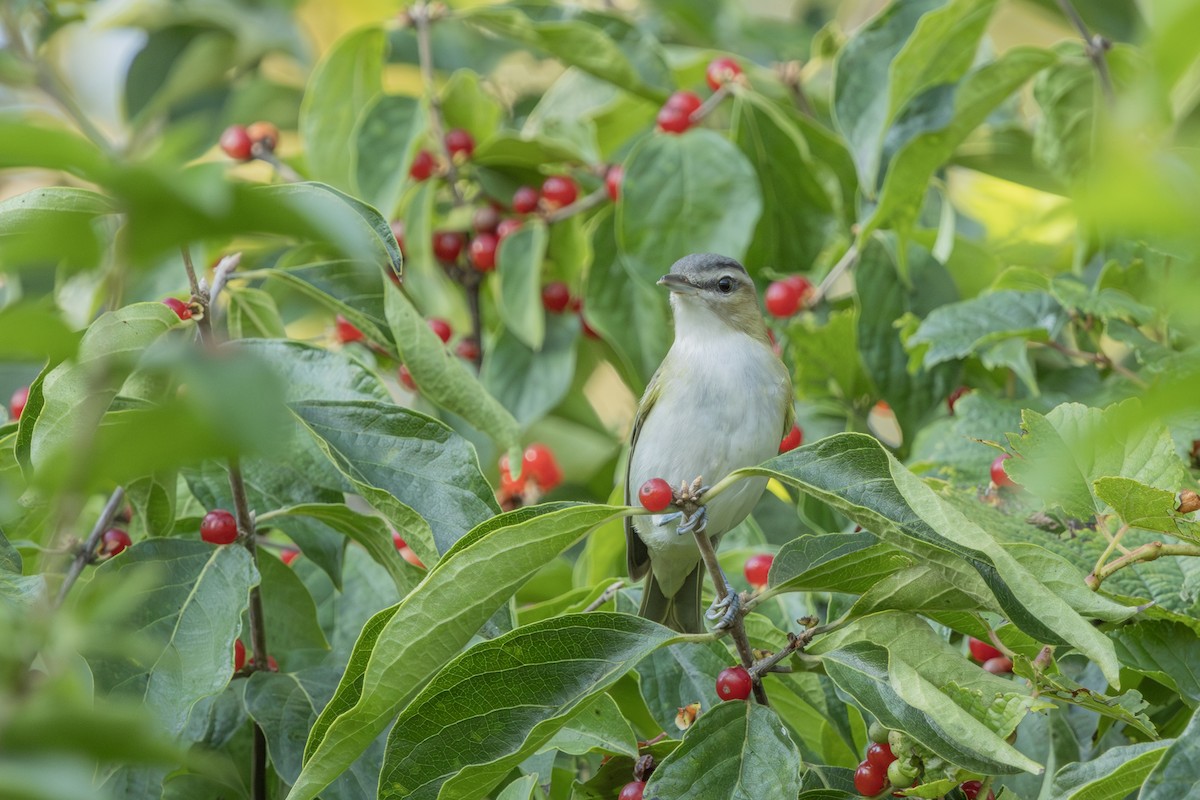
678	284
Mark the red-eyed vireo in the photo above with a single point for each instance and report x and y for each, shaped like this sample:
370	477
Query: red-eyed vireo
720	400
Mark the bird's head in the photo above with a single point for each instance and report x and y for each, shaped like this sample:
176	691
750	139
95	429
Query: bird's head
712	293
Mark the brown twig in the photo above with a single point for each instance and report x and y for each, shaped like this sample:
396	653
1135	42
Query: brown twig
844	264
607	595
1147	552
1094	45
584	203
421	15
1099	359
261	151
225	266
796	642
710	105
86	552
791	75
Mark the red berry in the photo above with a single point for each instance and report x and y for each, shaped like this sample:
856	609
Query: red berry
16	403
483	251
506	228
422	166
441	328
485	219
218	527
980	650
346	331
783	298
448	245
720	72
655	495
508	483
971	790
539	463
398	540
288	555
612	181
410	555
397	227
460	144
559	191
953	398
869	780
178	306
236	142
525	200
263	134
272	664
588	330
1000	665
468	349
758	567
406	378
239	655
673	120
634	790
793	439
113	542
556	297
800	282
734	683
999	476
687	102
879	755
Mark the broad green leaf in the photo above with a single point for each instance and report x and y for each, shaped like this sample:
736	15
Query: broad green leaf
679	675
313	373
1168	652
974	98
926	589
1142	506
734	750
389	133
826	358
598	726
1063	453
517	691
1067	581
466	104
1067	94
403	645
519	273
841	562
345	82
858	477
444	379
352	289
520	789
76	393
963	329
798	215
289	610
1113	775
1175	774
52	225
189	603
693	193
395	456
27	145
253	314
371	532
31	332
530	383
154	499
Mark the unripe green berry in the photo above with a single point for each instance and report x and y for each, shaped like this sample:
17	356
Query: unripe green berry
877	733
900	773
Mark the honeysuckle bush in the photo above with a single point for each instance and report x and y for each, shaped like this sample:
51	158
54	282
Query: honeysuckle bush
1004	225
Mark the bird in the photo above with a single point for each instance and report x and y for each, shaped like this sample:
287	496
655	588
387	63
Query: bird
720	400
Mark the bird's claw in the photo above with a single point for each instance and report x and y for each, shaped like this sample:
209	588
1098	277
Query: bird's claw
725	609
695	522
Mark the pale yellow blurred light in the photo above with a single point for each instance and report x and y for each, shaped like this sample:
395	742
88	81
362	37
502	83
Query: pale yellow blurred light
1011	211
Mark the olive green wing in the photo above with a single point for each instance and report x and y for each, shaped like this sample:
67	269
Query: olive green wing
637	557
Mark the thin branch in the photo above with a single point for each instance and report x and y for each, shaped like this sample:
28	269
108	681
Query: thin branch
1099	359
1094	45
260	151
796	642
1147	552
607	595
791	75
848	260
226	265
421	15
471	284
86	553
584	203
1113	543
710	105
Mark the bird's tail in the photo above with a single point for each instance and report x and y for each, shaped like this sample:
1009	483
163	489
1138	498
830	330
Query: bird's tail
681	611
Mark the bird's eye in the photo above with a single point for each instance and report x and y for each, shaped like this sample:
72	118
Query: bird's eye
725	284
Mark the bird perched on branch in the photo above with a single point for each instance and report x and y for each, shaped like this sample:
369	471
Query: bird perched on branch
720	400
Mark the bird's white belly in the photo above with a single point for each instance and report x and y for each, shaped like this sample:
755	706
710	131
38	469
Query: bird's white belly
723	413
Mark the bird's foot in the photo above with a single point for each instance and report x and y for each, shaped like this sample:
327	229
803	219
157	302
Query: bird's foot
725	609
694	522
688	501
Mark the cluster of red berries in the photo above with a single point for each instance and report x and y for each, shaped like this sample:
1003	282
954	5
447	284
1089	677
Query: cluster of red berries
539	473
871	777
990	657
785	297
678	113
247	142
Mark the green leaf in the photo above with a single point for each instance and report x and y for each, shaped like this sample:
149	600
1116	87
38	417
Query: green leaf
314	373
693	193
1063	453
734	750
679	675
389	133
1175	775
31	332
858	477
597	726
290	609
352	289
826	358
444	379
53	225
76	393
476	698
26	146
519	273
468	105
253	314
1113	775
402	645
1067	96
1142	506
842	562
344	83
974	98
188	606
396	456
1168	652
530	383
